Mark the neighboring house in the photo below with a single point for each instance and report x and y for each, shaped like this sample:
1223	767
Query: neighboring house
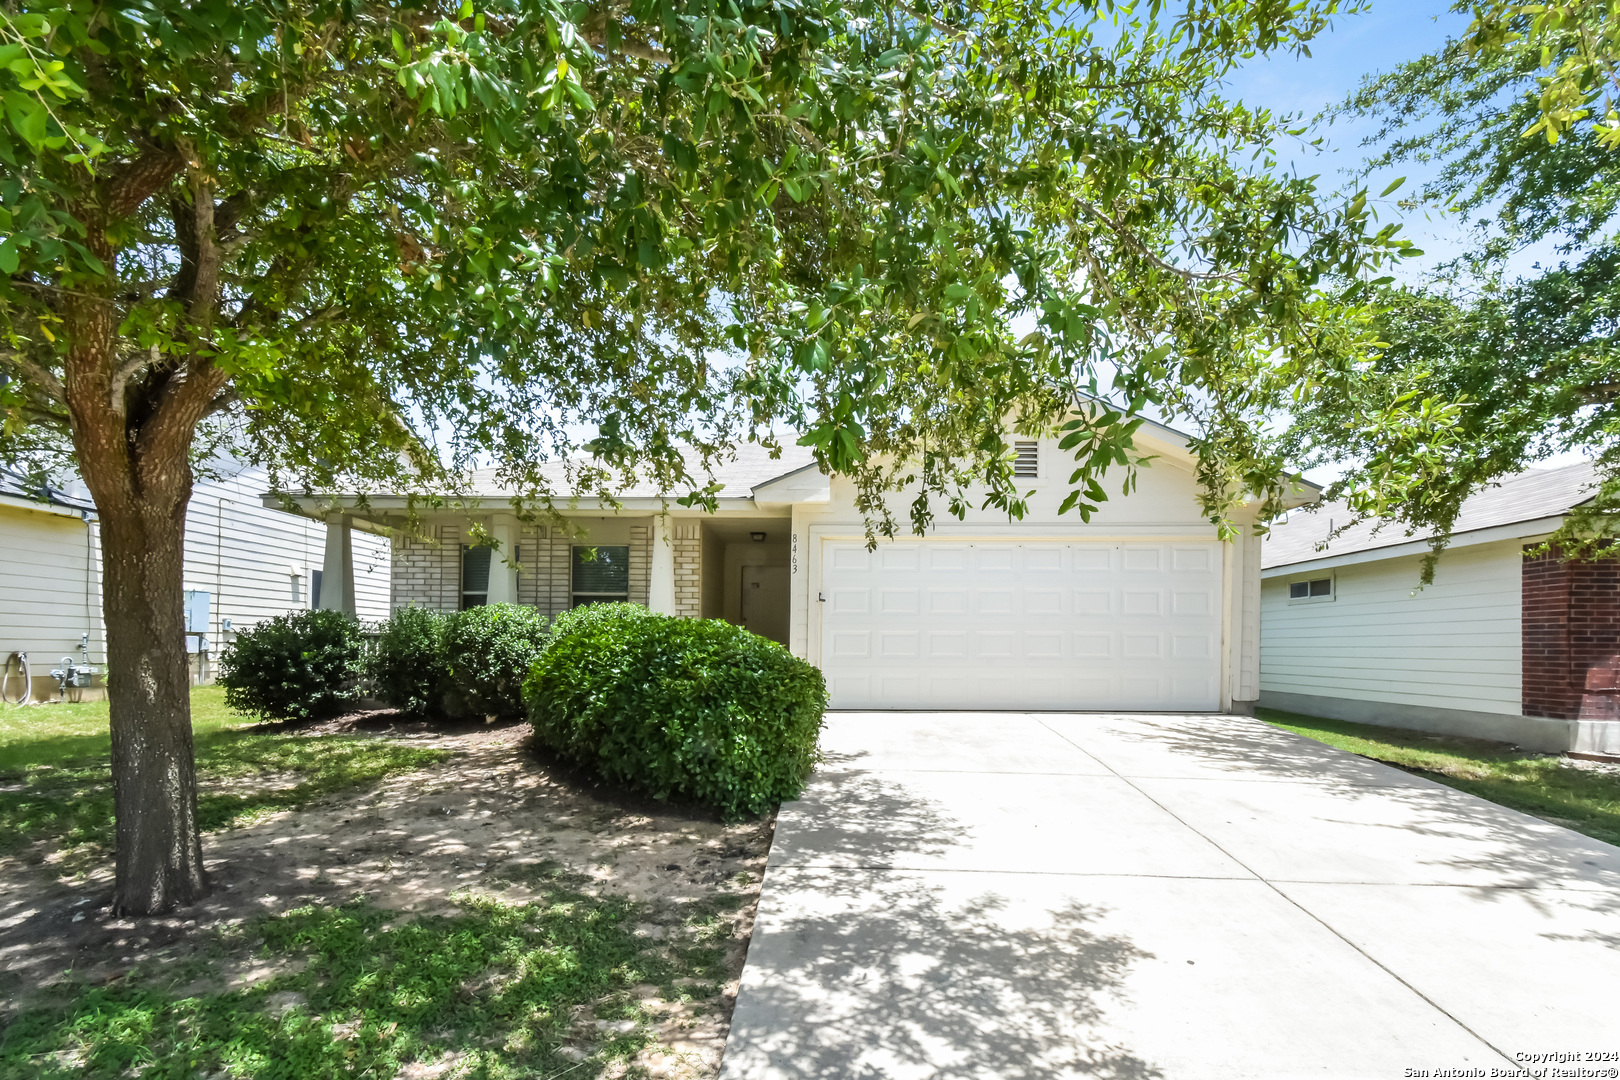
243	562
50	580
1143	609
1502	645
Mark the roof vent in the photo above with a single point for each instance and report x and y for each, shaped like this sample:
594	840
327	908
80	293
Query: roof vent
1026	459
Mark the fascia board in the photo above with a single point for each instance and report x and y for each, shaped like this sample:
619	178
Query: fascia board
1527	531
807	484
19	503
384	506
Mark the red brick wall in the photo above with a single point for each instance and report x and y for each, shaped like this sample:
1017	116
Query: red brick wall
1571	627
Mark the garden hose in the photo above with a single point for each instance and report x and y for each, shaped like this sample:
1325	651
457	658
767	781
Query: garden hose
20	659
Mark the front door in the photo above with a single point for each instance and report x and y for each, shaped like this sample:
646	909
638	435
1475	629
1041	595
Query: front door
765	601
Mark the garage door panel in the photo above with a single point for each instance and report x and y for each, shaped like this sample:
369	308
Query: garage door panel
1043	560
1143	559
899	557
1043	602
1093	602
850	557
900	601
1201	602
1141	602
851	601
996	624
994	559
1192	560
993	601
1095	559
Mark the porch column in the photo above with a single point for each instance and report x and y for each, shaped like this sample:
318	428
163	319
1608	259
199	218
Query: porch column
337	570
503	575
661	578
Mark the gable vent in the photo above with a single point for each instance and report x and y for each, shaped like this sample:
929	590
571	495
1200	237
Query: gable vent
1026	459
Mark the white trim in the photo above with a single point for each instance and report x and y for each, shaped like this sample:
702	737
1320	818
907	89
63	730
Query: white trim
17	502
1306	579
1528	531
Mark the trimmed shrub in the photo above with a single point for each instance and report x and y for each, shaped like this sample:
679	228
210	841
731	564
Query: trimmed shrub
696	708
305	665
488	653
409	668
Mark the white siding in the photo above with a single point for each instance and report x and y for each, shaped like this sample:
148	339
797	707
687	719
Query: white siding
242	553
237	550
1453	645
50	586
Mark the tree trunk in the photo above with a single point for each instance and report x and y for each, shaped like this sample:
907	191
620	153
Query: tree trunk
159	852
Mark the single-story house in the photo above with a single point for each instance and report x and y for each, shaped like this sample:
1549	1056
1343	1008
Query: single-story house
1505	644
1144	608
244	562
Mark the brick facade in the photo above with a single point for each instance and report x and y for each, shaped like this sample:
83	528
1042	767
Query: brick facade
427	572
688	543
640	563
1571	638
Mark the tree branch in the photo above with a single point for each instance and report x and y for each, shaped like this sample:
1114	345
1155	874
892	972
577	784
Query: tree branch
40	378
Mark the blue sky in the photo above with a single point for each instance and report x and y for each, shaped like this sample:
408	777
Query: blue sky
1376	40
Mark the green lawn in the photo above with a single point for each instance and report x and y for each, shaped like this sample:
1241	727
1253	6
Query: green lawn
498	989
557	985
1548	787
41	734
56	786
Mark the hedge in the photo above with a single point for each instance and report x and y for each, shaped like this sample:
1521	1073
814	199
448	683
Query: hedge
689	708
488	652
305	665
408	668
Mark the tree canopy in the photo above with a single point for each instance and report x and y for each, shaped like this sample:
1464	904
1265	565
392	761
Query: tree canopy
358	229
1494	370
373	241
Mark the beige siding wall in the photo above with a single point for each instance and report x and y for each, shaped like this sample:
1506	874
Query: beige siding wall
1453	645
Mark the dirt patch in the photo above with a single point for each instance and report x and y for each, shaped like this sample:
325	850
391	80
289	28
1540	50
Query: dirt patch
497	819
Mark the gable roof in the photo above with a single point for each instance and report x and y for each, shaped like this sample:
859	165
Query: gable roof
750	466
1531	496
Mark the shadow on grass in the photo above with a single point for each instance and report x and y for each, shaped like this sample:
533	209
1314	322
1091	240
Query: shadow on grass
1545	786
492	991
243	776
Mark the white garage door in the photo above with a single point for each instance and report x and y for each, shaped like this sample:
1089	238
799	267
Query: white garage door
939	624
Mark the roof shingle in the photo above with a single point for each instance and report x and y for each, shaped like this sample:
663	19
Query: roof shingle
1529	496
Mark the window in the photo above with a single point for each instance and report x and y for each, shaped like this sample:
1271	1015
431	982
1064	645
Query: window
314	589
601	575
1313	589
1026	459
474	576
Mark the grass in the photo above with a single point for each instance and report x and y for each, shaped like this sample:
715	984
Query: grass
1585	800
56	784
42	734
508	990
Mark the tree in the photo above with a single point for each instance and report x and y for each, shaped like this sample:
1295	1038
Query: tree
374	240
1485	374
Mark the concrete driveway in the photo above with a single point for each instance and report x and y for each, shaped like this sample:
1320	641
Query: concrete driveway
1018	895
